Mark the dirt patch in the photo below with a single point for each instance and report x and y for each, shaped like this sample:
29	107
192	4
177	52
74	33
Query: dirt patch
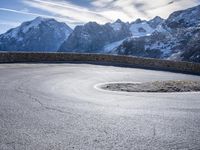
157	86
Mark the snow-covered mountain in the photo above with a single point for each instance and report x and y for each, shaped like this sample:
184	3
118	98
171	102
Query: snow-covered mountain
184	18
175	38
136	29
40	34
93	37
140	27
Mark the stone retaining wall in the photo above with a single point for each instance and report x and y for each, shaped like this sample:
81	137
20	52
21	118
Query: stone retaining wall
99	58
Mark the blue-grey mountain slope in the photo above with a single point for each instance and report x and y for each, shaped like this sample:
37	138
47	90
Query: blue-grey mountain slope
177	38
92	37
96	38
40	34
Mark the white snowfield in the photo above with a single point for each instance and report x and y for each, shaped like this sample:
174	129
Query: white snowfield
56	106
135	29
110	48
116	26
34	24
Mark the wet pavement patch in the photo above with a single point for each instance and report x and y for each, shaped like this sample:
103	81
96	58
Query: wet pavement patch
157	86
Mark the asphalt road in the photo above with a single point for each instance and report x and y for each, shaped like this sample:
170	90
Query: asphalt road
56	106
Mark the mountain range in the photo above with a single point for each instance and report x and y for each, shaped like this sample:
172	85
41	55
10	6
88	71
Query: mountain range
40	34
174	38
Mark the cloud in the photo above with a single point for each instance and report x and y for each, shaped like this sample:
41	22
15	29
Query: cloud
6	25
101	11
67	9
70	21
12	23
25	10
170	6
143	8
74	12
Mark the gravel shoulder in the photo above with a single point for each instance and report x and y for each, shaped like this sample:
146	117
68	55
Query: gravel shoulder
157	86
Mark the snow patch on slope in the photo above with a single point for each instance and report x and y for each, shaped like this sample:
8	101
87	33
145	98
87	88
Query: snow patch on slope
112	46
141	29
34	24
116	26
13	33
166	49
175	56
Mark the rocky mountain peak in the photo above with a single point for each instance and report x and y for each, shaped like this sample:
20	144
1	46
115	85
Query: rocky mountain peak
184	18
138	21
40	34
155	21
118	21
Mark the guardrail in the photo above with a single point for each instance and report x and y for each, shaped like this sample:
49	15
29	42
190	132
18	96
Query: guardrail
177	66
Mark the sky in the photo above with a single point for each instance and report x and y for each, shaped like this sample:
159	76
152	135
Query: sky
78	12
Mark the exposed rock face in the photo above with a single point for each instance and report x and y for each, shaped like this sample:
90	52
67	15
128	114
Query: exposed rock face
191	52
39	34
92	37
184	18
146	46
176	38
155	22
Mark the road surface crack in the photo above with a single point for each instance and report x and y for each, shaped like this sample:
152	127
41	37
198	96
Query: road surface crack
20	90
